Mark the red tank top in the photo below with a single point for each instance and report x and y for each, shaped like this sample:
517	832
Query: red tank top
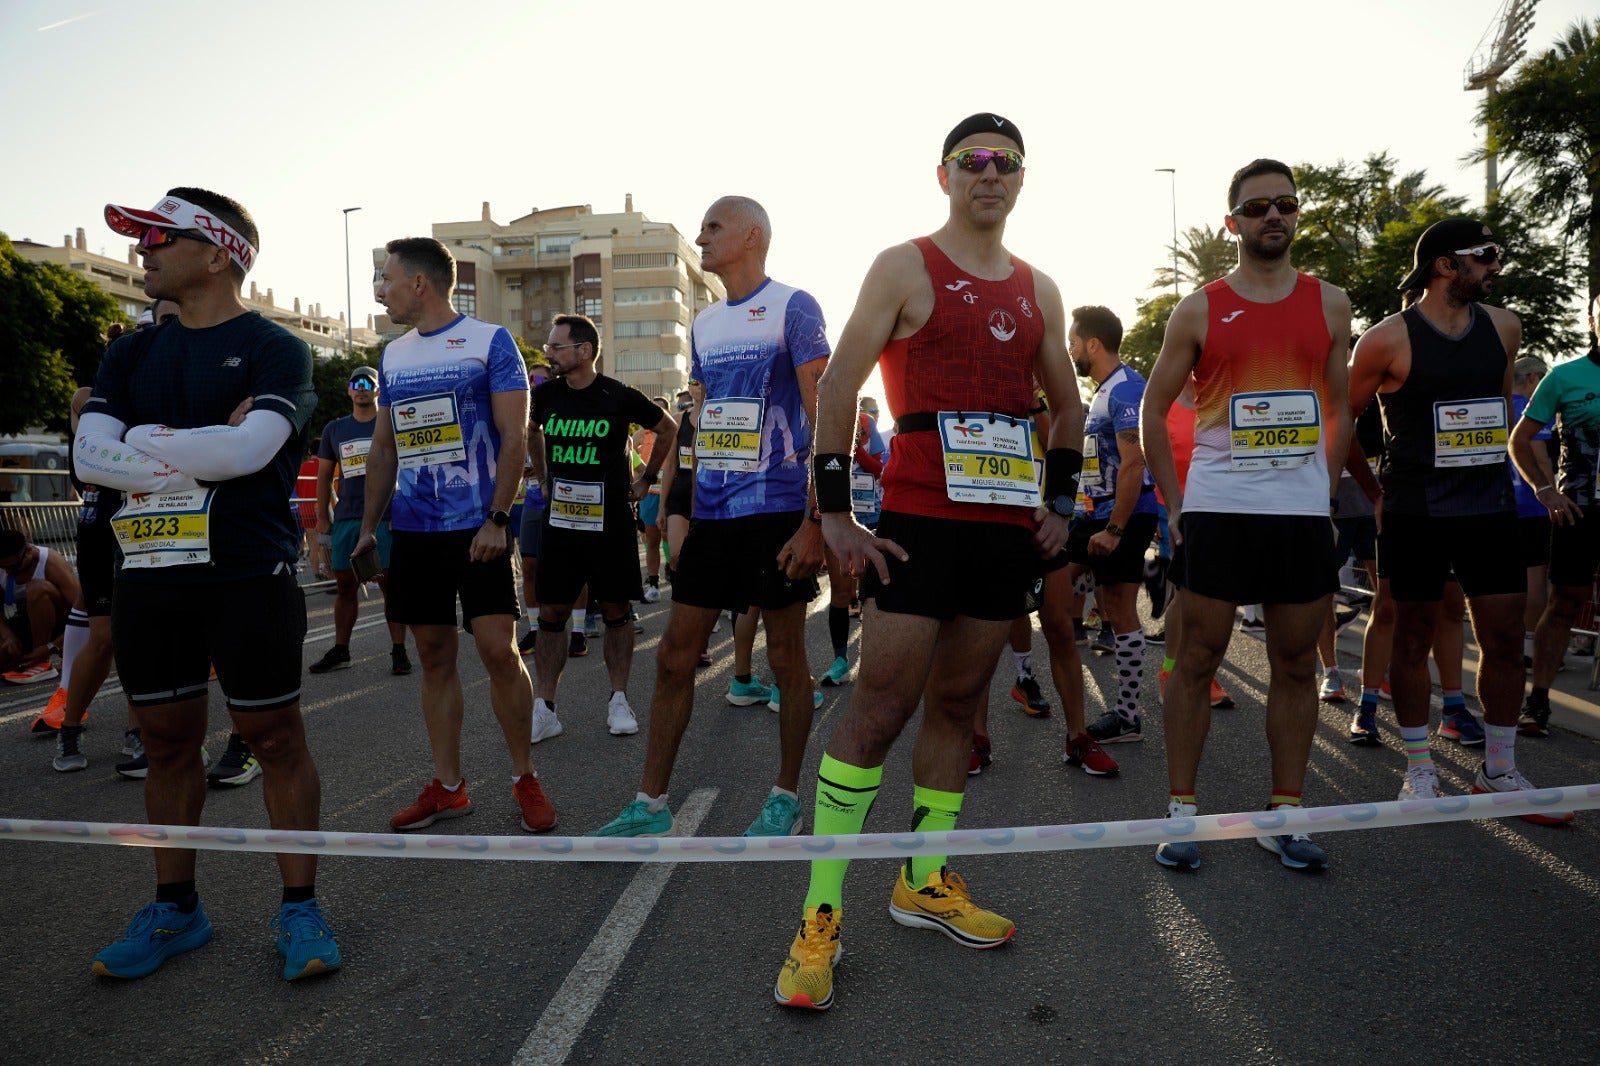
975	353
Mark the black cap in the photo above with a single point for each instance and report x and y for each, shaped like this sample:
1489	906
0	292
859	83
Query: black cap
982	122
1444	238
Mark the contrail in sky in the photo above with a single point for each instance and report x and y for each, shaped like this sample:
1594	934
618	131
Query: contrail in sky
68	22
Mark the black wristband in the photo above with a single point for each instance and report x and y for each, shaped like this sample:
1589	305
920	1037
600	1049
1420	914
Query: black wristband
830	472
1061	469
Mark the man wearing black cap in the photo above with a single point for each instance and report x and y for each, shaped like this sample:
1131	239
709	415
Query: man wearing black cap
345	444
1442	371
203	422
963	330
1570	392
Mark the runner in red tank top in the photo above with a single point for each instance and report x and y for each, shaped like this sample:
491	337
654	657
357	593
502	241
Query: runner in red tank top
1265	347
962	328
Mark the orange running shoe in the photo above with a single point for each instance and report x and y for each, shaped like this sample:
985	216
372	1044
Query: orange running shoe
538	813
54	713
1220	700
436	802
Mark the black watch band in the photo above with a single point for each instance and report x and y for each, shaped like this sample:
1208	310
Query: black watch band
500	518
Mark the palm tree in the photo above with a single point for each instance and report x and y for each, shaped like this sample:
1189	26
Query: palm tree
1547	120
1203	256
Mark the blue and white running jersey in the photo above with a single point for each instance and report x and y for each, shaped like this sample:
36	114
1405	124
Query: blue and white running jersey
1115	408
753	441
437	388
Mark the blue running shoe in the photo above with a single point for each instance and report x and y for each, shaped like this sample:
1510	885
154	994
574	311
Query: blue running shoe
1462	726
779	817
637	820
1179	854
838	673
1296	851
158	932
1364	725
748	693
305	941
816	699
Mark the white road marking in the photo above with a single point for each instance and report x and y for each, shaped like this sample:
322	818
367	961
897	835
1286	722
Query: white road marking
568	1012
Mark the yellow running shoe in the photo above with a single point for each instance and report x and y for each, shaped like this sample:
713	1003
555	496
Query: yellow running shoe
944	904
806	979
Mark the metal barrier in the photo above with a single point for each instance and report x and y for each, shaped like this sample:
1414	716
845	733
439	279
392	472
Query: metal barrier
50	518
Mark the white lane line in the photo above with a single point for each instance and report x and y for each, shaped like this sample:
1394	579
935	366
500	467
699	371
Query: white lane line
564	1019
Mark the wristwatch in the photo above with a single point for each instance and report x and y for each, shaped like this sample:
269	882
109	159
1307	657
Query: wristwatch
500	518
1114	529
1062	505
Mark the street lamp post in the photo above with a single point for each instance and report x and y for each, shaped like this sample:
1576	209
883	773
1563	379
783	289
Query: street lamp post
349	303
1173	172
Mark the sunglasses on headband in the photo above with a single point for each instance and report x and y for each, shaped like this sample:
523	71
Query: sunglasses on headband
160	237
1258	207
1484	253
975	159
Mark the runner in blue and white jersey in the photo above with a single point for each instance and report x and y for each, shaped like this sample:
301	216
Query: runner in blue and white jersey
754	541
452	428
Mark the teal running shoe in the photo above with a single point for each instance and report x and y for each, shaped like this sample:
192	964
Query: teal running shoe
838	673
779	817
158	932
748	694
305	941
816	699
637	820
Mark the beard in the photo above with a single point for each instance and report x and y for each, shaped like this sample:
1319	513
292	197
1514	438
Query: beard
1463	290
1255	246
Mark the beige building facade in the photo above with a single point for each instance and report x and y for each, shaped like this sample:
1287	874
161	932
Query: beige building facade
639	280
124	281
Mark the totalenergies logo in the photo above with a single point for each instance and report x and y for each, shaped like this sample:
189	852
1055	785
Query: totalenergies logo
407	413
757	314
714	412
972	432
1256	408
1457	415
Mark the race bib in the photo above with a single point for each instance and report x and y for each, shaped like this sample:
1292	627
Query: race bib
1091	477
863	492
988	459
427	431
353	457
1274	430
686	457
729	437
579	505
164	528
1469	432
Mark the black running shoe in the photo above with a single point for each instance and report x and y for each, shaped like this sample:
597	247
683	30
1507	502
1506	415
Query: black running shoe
336	658
399	661
526	645
236	767
1112	728
579	646
1535	720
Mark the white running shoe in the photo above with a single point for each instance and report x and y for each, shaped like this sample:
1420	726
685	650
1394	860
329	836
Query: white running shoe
651	594
1422	783
619	716
545	722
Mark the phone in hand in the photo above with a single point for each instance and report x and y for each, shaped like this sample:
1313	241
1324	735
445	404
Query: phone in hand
366	565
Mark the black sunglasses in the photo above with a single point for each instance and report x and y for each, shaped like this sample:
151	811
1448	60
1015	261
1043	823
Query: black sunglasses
1258	207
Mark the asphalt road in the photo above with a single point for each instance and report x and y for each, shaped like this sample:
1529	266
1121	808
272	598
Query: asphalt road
1452	943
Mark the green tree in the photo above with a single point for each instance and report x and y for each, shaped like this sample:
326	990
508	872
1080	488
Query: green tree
52	332
1141	342
1204	255
331	379
1546	119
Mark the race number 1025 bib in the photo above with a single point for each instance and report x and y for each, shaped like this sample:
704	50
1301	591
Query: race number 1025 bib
427	431
729	437
353	457
988	459
1469	432
164	528
1274	430
579	505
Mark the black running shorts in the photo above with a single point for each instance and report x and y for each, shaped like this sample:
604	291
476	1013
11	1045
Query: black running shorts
1575	550
1533	540
607	561
427	571
1255	558
1418	553
168	636
1125	564
731	564
981	570
97	564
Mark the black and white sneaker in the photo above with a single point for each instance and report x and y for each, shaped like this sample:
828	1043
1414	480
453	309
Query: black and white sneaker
136	767
236	767
68	757
336	658
1112	728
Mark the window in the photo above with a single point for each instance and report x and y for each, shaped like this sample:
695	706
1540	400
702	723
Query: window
558	244
592	306
465	302
639	362
643	260
664	294
647	329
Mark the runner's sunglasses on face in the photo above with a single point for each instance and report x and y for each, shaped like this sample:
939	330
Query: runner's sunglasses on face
1483	253
1258	207
975	159
364	383
160	237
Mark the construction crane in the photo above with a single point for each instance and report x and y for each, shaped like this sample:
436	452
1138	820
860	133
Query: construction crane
1502	45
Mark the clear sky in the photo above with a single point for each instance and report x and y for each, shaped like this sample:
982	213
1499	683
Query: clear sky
831	113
